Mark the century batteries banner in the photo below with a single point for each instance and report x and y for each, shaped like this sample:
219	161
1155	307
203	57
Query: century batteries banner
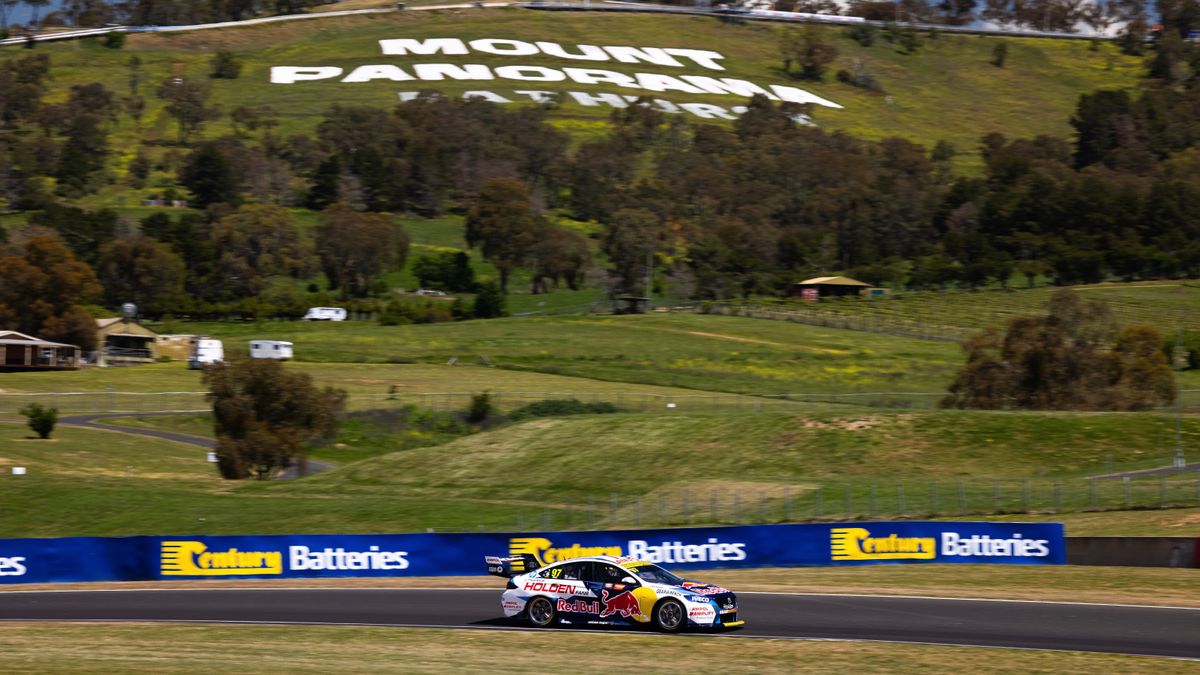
292	556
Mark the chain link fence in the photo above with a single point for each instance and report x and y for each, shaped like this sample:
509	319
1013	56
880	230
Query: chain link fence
119	402
676	506
101	402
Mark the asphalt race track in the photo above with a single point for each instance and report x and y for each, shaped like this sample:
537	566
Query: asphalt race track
1158	631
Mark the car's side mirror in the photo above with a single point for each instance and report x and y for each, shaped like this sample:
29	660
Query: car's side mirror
629	580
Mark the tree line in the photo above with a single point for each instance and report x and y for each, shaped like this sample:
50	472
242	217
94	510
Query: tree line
96	13
714	211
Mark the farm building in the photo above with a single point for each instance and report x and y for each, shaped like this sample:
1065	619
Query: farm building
829	287
178	347
124	342
25	352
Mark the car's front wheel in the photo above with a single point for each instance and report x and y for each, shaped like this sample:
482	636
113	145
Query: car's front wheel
670	616
541	612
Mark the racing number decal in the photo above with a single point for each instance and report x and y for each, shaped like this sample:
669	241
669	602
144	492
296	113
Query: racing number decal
555	573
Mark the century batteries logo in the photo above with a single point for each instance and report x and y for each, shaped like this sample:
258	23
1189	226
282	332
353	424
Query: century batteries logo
547	553
12	567
675	552
856	543
192	558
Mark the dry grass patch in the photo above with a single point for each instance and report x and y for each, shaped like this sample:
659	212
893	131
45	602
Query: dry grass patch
161	648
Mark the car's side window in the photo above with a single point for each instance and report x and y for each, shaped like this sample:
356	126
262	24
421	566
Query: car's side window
569	571
608	574
577	571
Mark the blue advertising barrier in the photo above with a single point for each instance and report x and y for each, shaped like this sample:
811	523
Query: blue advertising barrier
386	555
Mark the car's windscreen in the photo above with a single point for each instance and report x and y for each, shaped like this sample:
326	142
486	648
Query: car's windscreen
657	575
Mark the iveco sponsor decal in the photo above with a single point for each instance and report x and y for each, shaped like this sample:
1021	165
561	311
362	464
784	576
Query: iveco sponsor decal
858	543
12	567
670	552
193	558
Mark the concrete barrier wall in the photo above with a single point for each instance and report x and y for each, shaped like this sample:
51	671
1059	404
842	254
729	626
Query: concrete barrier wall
1134	551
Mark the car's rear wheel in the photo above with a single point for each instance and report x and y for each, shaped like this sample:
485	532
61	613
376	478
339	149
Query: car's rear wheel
541	612
670	616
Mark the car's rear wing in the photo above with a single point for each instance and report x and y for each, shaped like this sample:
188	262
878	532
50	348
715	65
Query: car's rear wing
513	565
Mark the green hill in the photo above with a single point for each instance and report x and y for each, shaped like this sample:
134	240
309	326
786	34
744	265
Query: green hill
947	90
611	470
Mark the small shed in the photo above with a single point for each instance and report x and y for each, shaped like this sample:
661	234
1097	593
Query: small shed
177	347
828	287
25	352
124	342
631	304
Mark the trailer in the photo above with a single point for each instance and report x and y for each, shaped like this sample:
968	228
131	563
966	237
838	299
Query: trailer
325	314
270	349
204	352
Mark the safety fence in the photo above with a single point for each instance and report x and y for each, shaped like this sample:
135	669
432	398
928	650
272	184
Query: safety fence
123	402
120	402
685	505
438	554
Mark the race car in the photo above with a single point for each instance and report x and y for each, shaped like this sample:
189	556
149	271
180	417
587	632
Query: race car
610	590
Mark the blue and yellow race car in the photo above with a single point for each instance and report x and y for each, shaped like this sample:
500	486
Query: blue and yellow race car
610	590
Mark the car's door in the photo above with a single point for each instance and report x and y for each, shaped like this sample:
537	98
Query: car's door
574	598
614	587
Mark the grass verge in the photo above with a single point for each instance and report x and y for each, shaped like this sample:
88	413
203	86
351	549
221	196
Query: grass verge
160	648
723	469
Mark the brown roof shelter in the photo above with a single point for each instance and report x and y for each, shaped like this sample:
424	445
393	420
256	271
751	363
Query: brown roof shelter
829	287
124	342
23	352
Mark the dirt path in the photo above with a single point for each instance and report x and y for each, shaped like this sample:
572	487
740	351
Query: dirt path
91	422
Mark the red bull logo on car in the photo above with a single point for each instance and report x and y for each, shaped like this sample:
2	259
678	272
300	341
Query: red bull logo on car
623	603
579	606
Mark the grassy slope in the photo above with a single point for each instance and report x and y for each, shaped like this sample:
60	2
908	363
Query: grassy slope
94	482
158	648
946	91
678	350
1166	305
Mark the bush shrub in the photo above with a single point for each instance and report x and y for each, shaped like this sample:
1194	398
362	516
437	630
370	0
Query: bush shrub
1000	54
225	66
858	76
561	407
114	40
41	418
481	407
864	34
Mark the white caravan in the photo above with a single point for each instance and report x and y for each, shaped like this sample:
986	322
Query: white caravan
204	352
270	349
325	314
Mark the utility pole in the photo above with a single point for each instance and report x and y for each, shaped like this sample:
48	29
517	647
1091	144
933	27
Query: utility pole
649	275
1180	461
